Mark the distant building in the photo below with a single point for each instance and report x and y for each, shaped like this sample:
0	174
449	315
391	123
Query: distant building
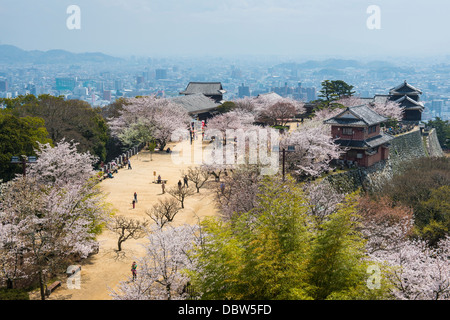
160	74
358	130
197	105
3	85
65	84
297	93
118	85
107	95
213	90
283	91
243	91
81	91
438	107
311	94
140	80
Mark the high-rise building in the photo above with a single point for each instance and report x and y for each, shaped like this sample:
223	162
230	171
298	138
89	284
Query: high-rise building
65	84
107	95
160	74
438	107
140	79
118	85
243	91
311	94
3	85
100	86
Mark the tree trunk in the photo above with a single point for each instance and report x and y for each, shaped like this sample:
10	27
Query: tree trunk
9	284
42	285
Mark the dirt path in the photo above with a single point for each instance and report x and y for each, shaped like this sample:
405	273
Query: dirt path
105	270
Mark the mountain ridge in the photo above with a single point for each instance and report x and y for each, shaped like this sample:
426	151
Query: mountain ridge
12	54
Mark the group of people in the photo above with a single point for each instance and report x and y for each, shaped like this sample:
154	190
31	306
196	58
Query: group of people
115	169
180	184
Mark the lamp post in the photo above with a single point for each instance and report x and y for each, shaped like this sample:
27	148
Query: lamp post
24	161
284	150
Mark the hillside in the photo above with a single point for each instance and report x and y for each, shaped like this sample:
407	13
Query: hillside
12	54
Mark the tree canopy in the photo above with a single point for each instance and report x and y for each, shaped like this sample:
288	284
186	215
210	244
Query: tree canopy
19	136
70	119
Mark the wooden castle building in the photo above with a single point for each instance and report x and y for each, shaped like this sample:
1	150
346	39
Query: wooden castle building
357	130
408	97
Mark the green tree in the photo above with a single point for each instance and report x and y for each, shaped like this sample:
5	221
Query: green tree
334	90
72	119
433	215
227	106
18	136
337	266
275	251
260	254
442	131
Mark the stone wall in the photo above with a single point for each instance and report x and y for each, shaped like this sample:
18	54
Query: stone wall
404	148
432	143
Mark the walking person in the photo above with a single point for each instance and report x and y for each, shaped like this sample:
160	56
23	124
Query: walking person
135	197
129	164
134	270
163	187
179	184
134	203
185	181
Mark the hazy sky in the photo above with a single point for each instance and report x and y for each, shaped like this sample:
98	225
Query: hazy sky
313	28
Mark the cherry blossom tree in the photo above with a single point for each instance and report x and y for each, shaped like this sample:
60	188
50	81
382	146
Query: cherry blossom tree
161	272
238	191
389	109
233	120
385	225
417	271
314	150
52	215
321	199
413	269
271	109
156	117
278	113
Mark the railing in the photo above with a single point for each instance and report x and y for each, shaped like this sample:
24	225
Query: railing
122	160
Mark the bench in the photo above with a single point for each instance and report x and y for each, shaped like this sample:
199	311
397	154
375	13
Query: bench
162	180
52	287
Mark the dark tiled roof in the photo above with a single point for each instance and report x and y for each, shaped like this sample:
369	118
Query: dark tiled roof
381	98
405	88
195	103
410	104
362	116
364	144
207	88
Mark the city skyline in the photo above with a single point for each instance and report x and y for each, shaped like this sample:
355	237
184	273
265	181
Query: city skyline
307	29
